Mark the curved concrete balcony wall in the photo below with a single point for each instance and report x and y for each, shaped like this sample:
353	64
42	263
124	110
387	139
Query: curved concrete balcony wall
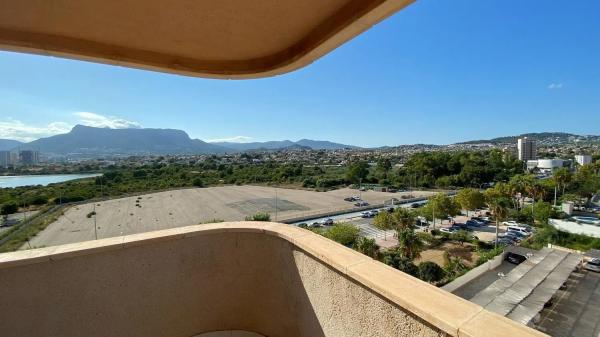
226	279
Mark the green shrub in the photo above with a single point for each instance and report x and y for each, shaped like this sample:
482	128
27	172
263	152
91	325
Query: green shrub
260	216
431	272
343	233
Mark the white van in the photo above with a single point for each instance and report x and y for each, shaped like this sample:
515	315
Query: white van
519	229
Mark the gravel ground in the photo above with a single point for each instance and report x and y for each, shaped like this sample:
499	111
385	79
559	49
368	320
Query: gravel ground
192	206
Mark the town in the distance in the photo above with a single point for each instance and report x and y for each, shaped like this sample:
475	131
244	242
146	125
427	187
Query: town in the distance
464	217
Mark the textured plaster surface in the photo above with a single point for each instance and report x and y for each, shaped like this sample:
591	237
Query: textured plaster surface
250	277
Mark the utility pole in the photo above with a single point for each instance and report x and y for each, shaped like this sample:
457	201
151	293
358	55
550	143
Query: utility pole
554	195
95	227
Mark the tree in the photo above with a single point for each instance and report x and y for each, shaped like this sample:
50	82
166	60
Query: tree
385	222
395	259
454	266
9	208
440	206
542	211
562	177
409	244
469	199
343	233
357	171
499	205
431	272
403	218
197	182
367	246
460	236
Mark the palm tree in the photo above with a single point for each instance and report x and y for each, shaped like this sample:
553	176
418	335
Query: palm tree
409	244
403	218
499	208
367	246
562	177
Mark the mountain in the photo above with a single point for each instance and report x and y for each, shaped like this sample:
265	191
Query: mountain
285	145
272	145
323	145
544	138
9	144
104	141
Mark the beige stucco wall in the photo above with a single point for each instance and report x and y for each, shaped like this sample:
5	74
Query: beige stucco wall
269	279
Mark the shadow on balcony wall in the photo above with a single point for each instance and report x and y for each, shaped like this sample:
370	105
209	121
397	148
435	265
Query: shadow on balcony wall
183	286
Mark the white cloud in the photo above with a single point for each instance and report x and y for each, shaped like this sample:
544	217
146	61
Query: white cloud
234	139
553	86
100	121
14	129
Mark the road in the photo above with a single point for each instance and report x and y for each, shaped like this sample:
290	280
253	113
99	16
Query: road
364	224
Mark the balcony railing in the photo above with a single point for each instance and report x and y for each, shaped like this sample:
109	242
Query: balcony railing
249	277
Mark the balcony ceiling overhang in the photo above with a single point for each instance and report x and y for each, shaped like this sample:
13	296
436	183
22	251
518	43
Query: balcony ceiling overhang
218	39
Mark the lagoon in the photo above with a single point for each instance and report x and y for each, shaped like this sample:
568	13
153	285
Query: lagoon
28	180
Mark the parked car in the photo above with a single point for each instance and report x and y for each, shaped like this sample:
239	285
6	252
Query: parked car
593	265
327	222
515	258
472	223
374	212
484	219
349	199
390	209
448	230
519	229
513	223
315	224
416	205
461	226
366	214
361	204
510	236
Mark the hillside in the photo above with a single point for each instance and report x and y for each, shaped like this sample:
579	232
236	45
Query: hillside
104	141
9	144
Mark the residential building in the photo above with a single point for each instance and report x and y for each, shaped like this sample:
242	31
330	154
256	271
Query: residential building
583	159
526	149
5	159
29	157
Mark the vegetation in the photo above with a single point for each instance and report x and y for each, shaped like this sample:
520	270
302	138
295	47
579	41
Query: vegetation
344	233
470	199
458	169
367	246
260	216
431	272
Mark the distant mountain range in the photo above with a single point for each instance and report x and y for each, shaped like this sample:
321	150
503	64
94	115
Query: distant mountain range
544	138
285	144
9	144
91	141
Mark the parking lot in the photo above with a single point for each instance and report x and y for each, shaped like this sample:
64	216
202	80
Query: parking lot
575	311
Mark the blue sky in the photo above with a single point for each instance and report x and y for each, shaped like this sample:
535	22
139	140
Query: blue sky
441	71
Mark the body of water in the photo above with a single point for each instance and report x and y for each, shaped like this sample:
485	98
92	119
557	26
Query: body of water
16	181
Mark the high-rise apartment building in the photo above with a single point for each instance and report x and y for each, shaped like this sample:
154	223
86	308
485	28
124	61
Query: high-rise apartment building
28	157
526	149
5	159
583	159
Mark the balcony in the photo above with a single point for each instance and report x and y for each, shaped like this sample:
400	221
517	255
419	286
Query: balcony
226	279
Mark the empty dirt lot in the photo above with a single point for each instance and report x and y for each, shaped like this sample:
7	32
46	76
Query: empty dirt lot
192	206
